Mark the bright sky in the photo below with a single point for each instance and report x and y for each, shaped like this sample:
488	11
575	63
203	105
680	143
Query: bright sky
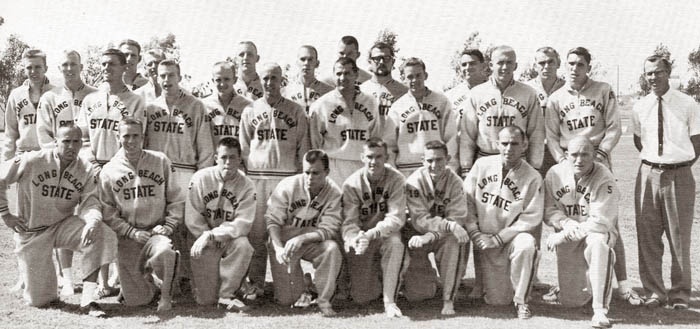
619	32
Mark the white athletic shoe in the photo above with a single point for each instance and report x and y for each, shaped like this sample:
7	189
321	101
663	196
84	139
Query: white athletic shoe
67	289
304	301
630	296
392	311
600	320
233	304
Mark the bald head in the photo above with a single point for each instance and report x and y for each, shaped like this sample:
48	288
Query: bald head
271	76
581	142
582	155
69	140
71	130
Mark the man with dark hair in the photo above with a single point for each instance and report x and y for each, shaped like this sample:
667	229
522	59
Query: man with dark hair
374	211
472	66
305	89
220	210
349	47
505	204
666	131
22	104
382	85
101	111
342	121
144	205
132	51
438	210
50	184
246	59
303	219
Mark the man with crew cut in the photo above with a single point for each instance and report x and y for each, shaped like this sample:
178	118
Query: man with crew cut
305	89
246	59
349	47
225	106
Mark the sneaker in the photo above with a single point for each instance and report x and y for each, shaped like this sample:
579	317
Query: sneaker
233	304
653	302
94	310
251	291
392	311
600	320
104	292
679	305
67	290
523	311
630	296
552	296
164	305
327	310
304	301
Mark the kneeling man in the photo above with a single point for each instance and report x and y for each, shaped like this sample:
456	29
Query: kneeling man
505	204
220	209
144	205
303	219
438	209
581	205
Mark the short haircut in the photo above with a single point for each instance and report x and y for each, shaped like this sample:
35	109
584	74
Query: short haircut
550	52
312	48
315	155
230	142
347	61
436	145
659	58
350	40
273	66
412	61
502	49
155	52
72	52
249	43
376	142
170	62
226	65
474	53
514	129
382	45
34	53
130	42
115	52
580	51
129	120
69	126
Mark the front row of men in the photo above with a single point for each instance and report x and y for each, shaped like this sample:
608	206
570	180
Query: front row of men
309	217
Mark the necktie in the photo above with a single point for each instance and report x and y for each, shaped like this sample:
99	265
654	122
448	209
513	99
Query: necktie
661	129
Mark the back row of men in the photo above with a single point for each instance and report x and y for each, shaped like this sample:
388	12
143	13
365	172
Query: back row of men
275	132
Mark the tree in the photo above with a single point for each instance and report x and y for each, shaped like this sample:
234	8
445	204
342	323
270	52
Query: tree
92	70
661	50
528	74
11	72
693	87
168	44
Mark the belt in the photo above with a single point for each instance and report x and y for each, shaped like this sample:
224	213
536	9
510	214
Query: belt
667	166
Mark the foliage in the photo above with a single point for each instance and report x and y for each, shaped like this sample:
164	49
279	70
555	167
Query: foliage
11	72
168	44
472	41
92	71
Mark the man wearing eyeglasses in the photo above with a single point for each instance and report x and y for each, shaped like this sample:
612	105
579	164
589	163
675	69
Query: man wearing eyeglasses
382	85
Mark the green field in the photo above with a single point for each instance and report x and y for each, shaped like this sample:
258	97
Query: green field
13	313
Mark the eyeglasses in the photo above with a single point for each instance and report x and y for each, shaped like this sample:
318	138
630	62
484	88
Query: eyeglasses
377	59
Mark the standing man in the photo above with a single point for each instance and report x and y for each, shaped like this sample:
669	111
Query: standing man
224	108
274	137
144	205
303	219
132	51
342	121
151	90
581	205
498	103
249	84
219	213
438	210
667	134
306	89
350	48
22	104
382	85
374	211
546	64
505	204
101	111
59	107
420	116
50	184
472	63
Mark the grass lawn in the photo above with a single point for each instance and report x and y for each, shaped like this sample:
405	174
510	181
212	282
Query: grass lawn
13	313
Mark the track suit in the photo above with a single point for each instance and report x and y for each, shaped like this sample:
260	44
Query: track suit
20	121
225	120
224	208
252	90
305	96
58	107
139	198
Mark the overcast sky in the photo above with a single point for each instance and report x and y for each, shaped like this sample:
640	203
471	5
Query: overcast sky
616	32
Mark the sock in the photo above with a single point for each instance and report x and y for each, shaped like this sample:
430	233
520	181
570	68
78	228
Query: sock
88	293
624	284
67	276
